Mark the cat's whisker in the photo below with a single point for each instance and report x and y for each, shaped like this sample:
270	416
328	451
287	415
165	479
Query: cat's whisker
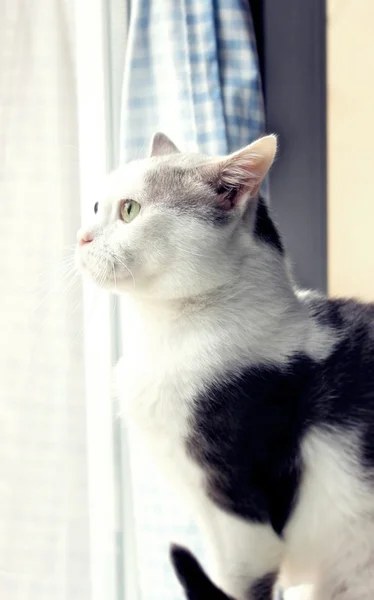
120	261
103	275
66	281
91	309
59	268
71	283
69	246
114	297
114	276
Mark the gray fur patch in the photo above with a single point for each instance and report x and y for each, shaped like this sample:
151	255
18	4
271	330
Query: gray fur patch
177	183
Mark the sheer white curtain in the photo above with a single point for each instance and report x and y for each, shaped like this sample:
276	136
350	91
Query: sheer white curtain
44	542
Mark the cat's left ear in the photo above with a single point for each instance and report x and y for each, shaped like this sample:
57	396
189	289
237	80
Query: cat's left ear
238	176
162	145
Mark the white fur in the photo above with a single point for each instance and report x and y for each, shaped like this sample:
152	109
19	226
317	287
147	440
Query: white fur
330	538
203	300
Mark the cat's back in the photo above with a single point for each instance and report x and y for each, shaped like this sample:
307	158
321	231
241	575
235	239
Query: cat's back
344	315
353	324
346	376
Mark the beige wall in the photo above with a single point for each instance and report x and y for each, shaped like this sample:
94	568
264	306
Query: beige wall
350	35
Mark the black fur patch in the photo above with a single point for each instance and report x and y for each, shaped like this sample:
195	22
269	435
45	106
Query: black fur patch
193	579
346	393
265	229
247	430
246	435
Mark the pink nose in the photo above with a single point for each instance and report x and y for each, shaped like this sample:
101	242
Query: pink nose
84	237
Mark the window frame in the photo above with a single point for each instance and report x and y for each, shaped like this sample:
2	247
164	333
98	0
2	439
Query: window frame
291	40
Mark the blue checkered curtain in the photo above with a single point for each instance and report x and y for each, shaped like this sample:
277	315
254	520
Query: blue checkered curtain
192	72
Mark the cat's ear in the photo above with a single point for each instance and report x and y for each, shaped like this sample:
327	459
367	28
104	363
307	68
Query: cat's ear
161	145
238	176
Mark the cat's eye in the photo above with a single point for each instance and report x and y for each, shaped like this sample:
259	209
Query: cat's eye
129	210
96	207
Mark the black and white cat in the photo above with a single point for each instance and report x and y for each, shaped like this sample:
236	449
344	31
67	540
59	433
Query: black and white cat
255	399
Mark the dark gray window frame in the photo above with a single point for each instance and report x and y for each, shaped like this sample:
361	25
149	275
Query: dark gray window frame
291	39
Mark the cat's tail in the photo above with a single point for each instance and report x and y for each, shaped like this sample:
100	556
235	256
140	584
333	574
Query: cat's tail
193	578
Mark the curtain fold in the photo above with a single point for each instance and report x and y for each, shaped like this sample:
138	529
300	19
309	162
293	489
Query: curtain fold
191	71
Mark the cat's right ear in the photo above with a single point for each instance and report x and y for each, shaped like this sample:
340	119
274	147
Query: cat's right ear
237	177
162	145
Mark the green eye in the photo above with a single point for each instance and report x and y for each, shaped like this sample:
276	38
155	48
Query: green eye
129	210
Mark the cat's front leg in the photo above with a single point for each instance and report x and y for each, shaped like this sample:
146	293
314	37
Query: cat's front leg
347	573
246	555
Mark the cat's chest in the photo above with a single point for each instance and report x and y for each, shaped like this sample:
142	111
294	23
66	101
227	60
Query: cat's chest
157	387
157	383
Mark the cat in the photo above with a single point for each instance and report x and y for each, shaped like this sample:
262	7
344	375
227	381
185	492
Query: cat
255	399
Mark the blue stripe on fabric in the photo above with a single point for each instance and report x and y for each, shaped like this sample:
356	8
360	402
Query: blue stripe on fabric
210	47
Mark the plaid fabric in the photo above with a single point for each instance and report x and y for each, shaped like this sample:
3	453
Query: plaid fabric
191	71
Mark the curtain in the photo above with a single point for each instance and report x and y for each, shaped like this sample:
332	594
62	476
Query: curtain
191	71
44	552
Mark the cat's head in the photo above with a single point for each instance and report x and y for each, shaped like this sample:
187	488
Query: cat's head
176	224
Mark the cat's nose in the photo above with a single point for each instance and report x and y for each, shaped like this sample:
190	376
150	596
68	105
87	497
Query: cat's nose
84	237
